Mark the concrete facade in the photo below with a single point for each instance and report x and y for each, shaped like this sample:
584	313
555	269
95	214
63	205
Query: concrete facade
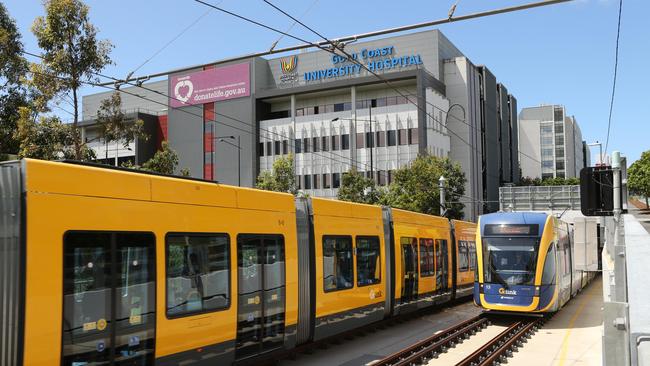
550	143
334	116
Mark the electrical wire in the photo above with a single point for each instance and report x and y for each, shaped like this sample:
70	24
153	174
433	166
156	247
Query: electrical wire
611	102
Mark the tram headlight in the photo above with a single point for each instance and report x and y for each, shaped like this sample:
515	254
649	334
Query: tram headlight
536	291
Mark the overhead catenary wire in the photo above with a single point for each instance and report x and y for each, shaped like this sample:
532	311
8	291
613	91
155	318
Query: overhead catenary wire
365	35
331	50
346	161
611	102
365	67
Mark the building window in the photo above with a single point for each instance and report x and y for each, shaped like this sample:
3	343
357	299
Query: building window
391	137
325	146
559	140
260	149
338	107
559	152
316	181
558	115
310	110
370	140
381	138
285	147
300	112
269	148
326	181
337	263
314	146
360	138
336	180
305	145
298	145
278	150
307	181
413	136
335	142
427	258
403	136
559	165
368	260
390	176
329	108
381	177
379	102
345	142
197	273
298	181
391	101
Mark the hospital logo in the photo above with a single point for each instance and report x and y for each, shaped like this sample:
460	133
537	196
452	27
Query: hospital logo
289	64
183	90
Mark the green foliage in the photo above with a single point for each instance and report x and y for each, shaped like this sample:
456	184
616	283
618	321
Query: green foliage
71	56
357	188
13	68
415	187
113	124
164	161
528	181
46	138
638	175
281	179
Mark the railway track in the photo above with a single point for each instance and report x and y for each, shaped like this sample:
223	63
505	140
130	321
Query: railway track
493	353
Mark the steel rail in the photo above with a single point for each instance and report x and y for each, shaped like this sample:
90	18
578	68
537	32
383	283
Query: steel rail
499	348
432	346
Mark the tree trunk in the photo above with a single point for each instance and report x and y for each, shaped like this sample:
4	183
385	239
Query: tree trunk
76	135
646	203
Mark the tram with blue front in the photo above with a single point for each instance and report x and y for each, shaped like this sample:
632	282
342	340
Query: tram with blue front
525	263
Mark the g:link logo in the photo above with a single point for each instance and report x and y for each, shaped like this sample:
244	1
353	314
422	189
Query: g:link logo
503	291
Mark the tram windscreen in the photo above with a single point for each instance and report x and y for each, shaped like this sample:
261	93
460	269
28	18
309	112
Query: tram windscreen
510	261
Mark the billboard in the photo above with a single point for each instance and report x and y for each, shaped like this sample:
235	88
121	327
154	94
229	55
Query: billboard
213	85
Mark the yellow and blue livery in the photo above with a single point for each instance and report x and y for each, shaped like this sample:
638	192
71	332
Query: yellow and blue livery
525	263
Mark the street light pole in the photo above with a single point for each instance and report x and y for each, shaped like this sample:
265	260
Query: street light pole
441	185
238	146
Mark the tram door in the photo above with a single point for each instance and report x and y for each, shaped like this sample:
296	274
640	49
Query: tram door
442	265
109	305
409	269
261	294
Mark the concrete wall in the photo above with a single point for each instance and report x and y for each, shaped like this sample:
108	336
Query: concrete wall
514	146
462	81
491	129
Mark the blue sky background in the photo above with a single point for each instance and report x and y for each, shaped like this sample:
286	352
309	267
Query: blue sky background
560	54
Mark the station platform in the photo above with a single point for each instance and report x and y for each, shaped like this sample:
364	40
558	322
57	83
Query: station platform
572	337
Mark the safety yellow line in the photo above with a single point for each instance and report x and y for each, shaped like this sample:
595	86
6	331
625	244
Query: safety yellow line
565	341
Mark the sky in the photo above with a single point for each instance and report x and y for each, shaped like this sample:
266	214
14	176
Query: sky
558	54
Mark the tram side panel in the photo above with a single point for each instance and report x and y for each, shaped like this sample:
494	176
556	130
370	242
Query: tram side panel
465	244
177	270
423	260
349	255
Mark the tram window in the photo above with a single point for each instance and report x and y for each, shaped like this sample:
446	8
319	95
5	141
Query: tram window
427	258
463	256
368	260
337	263
198	278
548	275
472	255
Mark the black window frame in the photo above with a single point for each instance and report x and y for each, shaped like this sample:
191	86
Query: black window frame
345	141
349	237
463	252
228	271
355	252
421	245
